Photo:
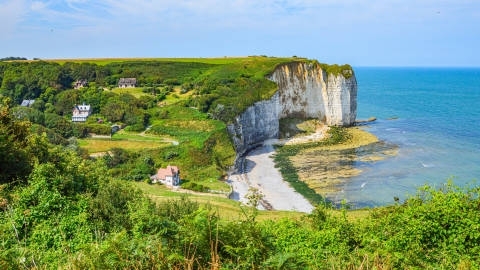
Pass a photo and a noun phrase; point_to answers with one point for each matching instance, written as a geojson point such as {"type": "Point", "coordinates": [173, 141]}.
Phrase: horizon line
{"type": "Point", "coordinates": [240, 56]}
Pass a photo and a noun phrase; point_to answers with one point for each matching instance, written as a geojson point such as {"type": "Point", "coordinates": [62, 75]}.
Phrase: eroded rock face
{"type": "Point", "coordinates": [307, 91]}
{"type": "Point", "coordinates": [304, 91]}
{"type": "Point", "coordinates": [258, 123]}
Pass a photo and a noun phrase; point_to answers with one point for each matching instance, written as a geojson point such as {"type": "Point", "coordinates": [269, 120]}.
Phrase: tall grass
{"type": "Point", "coordinates": [104, 145]}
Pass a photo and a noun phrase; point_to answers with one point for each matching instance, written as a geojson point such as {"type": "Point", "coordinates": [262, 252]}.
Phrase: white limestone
{"type": "Point", "coordinates": [307, 91]}
{"type": "Point", "coordinates": [304, 91]}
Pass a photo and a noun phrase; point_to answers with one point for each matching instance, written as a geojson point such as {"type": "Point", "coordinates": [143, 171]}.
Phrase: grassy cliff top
{"type": "Point", "coordinates": [329, 68]}
{"type": "Point", "coordinates": [223, 87]}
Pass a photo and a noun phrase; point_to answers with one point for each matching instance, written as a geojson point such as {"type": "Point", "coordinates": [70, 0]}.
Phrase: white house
{"type": "Point", "coordinates": [169, 176]}
{"type": "Point", "coordinates": [81, 112]}
{"type": "Point", "coordinates": [127, 82]}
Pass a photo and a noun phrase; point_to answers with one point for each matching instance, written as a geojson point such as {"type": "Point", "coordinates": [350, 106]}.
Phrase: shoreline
{"type": "Point", "coordinates": [259, 171]}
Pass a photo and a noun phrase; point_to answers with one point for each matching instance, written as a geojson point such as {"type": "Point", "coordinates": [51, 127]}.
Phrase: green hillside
{"type": "Point", "coordinates": [187, 101]}
{"type": "Point", "coordinates": [184, 100]}
{"type": "Point", "coordinates": [70, 200]}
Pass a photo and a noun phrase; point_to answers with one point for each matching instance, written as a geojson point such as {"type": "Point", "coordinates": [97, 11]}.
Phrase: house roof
{"type": "Point", "coordinates": [82, 108]}
{"type": "Point", "coordinates": [27, 102]}
{"type": "Point", "coordinates": [169, 171]}
{"type": "Point", "coordinates": [127, 81]}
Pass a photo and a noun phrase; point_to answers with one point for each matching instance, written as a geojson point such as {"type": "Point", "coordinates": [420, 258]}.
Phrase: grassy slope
{"type": "Point", "coordinates": [232, 210]}
{"type": "Point", "coordinates": [125, 140]}
{"type": "Point", "coordinates": [234, 83]}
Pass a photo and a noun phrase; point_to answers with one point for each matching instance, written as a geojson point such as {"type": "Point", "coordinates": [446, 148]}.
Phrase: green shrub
{"type": "Point", "coordinates": [194, 186]}
{"type": "Point", "coordinates": [99, 129]}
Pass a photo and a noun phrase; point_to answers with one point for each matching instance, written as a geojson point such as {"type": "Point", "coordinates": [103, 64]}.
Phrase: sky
{"type": "Point", "coordinates": [358, 32]}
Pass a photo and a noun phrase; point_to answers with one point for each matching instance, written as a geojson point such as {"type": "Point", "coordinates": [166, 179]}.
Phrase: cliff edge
{"type": "Point", "coordinates": [305, 90]}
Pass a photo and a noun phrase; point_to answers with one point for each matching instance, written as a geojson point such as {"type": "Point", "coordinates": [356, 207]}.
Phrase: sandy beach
{"type": "Point", "coordinates": [259, 172]}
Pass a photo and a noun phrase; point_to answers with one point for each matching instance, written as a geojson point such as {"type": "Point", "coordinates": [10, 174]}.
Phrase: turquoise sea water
{"type": "Point", "coordinates": [433, 116]}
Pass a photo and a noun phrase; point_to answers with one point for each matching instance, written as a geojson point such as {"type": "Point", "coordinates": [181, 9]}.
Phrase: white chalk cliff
{"type": "Point", "coordinates": [305, 91]}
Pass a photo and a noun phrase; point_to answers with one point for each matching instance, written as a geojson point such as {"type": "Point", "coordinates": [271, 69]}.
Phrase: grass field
{"type": "Point", "coordinates": [134, 91]}
{"type": "Point", "coordinates": [230, 209]}
{"type": "Point", "coordinates": [104, 145]}
{"type": "Point", "coordinates": [124, 140]}
{"type": "Point", "coordinates": [207, 60]}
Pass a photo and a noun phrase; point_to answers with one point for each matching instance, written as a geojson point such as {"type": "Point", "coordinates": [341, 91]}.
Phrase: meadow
{"type": "Point", "coordinates": [131, 142]}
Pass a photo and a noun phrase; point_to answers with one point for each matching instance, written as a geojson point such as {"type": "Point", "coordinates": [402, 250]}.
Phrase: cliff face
{"type": "Point", "coordinates": [304, 91]}
{"type": "Point", "coordinates": [307, 91]}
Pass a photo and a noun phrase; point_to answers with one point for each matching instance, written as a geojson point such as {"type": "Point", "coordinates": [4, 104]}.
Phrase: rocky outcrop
{"type": "Point", "coordinates": [258, 123]}
{"type": "Point", "coordinates": [305, 90]}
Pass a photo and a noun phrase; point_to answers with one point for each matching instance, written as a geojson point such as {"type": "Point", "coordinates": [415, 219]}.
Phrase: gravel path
{"type": "Point", "coordinates": [260, 172]}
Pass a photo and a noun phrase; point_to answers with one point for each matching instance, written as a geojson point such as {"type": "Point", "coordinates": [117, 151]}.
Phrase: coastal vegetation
{"type": "Point", "coordinates": [345, 70]}
{"type": "Point", "coordinates": [62, 207]}
{"type": "Point", "coordinates": [186, 101]}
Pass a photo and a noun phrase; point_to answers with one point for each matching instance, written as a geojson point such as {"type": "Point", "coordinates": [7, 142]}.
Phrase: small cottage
{"type": "Point", "coordinates": [27, 102]}
{"type": "Point", "coordinates": [81, 113]}
{"type": "Point", "coordinates": [127, 82]}
{"type": "Point", "coordinates": [169, 176]}
{"type": "Point", "coordinates": [80, 83]}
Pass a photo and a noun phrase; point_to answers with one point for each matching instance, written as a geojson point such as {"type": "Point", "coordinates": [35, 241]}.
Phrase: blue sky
{"type": "Point", "coordinates": [358, 32]}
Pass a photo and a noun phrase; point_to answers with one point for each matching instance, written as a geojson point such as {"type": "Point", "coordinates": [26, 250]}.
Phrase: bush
{"type": "Point", "coordinates": [99, 129]}
{"type": "Point", "coordinates": [135, 128]}
{"type": "Point", "coordinates": [195, 187]}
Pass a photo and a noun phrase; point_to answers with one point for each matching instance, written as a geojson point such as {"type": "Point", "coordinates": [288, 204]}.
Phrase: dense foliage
{"type": "Point", "coordinates": [223, 90]}
{"type": "Point", "coordinates": [12, 58]}
{"type": "Point", "coordinates": [67, 212]}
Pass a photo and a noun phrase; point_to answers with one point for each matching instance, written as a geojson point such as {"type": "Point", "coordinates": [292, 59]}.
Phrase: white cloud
{"type": "Point", "coordinates": [226, 14]}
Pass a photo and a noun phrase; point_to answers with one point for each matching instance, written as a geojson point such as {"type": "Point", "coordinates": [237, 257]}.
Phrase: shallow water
{"type": "Point", "coordinates": [432, 115]}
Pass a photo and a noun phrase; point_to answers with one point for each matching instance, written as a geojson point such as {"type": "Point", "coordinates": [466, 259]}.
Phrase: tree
{"type": "Point", "coordinates": [59, 124]}
{"type": "Point", "coordinates": [29, 114]}
{"type": "Point", "coordinates": [114, 112]}
{"type": "Point", "coordinates": [14, 161]}
{"type": "Point", "coordinates": [65, 101]}
{"type": "Point", "coordinates": [20, 149]}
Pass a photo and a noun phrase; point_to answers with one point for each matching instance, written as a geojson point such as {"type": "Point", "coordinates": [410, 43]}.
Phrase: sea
{"type": "Point", "coordinates": [431, 116]}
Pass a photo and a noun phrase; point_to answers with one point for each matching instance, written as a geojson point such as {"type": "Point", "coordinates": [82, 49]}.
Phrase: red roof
{"type": "Point", "coordinates": [169, 171]}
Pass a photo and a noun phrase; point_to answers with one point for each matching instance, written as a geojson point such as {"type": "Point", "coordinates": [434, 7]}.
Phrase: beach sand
{"type": "Point", "coordinates": [259, 172]}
